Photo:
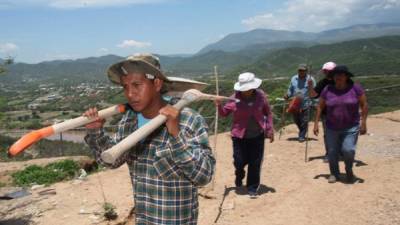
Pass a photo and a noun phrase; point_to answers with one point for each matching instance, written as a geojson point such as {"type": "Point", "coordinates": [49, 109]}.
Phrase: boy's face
{"type": "Point", "coordinates": [140, 91]}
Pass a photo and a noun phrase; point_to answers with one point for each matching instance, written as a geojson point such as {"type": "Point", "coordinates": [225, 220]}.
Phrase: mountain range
{"type": "Point", "coordinates": [239, 41]}
{"type": "Point", "coordinates": [267, 52]}
{"type": "Point", "coordinates": [371, 56]}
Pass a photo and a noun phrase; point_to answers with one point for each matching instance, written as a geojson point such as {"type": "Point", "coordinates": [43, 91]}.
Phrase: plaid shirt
{"type": "Point", "coordinates": [165, 171]}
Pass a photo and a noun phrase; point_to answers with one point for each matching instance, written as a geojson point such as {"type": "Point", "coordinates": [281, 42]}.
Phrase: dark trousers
{"type": "Point", "coordinates": [301, 120]}
{"type": "Point", "coordinates": [248, 151]}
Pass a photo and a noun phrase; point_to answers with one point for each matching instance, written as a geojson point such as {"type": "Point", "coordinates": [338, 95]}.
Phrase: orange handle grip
{"type": "Point", "coordinates": [29, 139]}
{"type": "Point", "coordinates": [36, 135]}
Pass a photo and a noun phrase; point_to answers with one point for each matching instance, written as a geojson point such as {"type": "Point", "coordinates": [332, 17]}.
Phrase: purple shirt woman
{"type": "Point", "coordinates": [316, 92]}
{"type": "Point", "coordinates": [252, 123]}
{"type": "Point", "coordinates": [342, 102]}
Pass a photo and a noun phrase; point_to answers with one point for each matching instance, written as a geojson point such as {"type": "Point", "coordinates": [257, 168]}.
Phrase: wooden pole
{"type": "Point", "coordinates": [307, 137]}
{"type": "Point", "coordinates": [61, 144]}
{"type": "Point", "coordinates": [282, 119]}
{"type": "Point", "coordinates": [308, 118]}
{"type": "Point", "coordinates": [215, 124]}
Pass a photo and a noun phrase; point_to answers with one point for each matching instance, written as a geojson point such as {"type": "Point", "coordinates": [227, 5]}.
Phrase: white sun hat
{"type": "Point", "coordinates": [247, 81]}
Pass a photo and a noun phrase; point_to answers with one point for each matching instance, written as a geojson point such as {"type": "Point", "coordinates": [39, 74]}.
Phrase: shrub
{"type": "Point", "coordinates": [51, 173]}
{"type": "Point", "coordinates": [109, 211]}
{"type": "Point", "coordinates": [33, 124]}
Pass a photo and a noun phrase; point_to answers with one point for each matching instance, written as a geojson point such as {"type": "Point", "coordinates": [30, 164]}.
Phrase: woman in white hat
{"type": "Point", "coordinates": [252, 123]}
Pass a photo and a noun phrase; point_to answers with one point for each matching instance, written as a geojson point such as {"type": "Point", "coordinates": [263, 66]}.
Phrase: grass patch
{"type": "Point", "coordinates": [51, 173]}
{"type": "Point", "coordinates": [109, 211]}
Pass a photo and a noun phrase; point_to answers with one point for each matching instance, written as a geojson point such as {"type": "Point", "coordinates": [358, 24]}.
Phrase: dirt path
{"type": "Point", "coordinates": [298, 192]}
{"type": "Point", "coordinates": [292, 192]}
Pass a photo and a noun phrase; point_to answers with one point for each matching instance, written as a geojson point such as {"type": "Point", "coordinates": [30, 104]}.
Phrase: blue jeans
{"type": "Point", "coordinates": [344, 141]}
{"type": "Point", "coordinates": [323, 119]}
{"type": "Point", "coordinates": [248, 151]}
{"type": "Point", "coordinates": [301, 120]}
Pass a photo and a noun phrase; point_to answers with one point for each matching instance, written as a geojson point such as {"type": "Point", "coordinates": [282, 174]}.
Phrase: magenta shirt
{"type": "Point", "coordinates": [342, 106]}
{"type": "Point", "coordinates": [242, 112]}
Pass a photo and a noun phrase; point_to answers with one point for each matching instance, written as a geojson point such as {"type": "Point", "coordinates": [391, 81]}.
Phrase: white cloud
{"type": "Point", "coordinates": [317, 15]}
{"type": "Point", "coordinates": [388, 4]}
{"type": "Point", "coordinates": [133, 44]}
{"type": "Point", "coordinates": [74, 4]}
{"type": "Point", "coordinates": [103, 50]}
{"type": "Point", "coordinates": [8, 48]}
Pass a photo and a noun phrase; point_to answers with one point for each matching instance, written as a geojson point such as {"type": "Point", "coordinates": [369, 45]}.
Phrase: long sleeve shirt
{"type": "Point", "coordinates": [260, 110]}
{"type": "Point", "coordinates": [165, 170]}
{"type": "Point", "coordinates": [299, 87]}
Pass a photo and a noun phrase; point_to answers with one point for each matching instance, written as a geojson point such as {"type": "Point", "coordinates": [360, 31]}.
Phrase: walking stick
{"type": "Point", "coordinates": [282, 119]}
{"type": "Point", "coordinates": [308, 119]}
{"type": "Point", "coordinates": [216, 123]}
{"type": "Point", "coordinates": [307, 135]}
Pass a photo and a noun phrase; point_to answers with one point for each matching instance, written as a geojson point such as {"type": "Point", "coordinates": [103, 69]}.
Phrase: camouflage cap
{"type": "Point", "coordinates": [141, 63]}
{"type": "Point", "coordinates": [302, 67]}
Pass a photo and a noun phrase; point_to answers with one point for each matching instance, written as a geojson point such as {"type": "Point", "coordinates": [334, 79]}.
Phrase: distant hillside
{"type": "Point", "coordinates": [80, 69]}
{"type": "Point", "coordinates": [359, 31]}
{"type": "Point", "coordinates": [364, 57]}
{"type": "Point", "coordinates": [87, 69]}
{"type": "Point", "coordinates": [203, 63]}
{"type": "Point", "coordinates": [239, 41]}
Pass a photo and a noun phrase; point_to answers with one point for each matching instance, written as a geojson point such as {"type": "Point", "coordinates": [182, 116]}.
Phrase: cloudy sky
{"type": "Point", "coordinates": [41, 30]}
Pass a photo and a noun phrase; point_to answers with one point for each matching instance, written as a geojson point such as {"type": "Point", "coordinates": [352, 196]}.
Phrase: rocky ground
{"type": "Point", "coordinates": [292, 191]}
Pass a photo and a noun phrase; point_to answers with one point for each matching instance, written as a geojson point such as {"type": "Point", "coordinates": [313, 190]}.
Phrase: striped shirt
{"type": "Point", "coordinates": [165, 171]}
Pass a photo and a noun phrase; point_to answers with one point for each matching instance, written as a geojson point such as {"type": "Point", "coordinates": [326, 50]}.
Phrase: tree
{"type": "Point", "coordinates": [6, 62]}
{"type": "Point", "coordinates": [3, 104]}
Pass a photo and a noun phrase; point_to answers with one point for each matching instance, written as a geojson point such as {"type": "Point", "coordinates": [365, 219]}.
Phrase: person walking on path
{"type": "Point", "coordinates": [316, 92]}
{"type": "Point", "coordinates": [252, 123]}
{"type": "Point", "coordinates": [299, 87]}
{"type": "Point", "coordinates": [342, 102]}
{"type": "Point", "coordinates": [167, 167]}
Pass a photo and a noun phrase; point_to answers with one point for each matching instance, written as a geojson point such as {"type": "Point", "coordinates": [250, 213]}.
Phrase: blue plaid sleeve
{"type": "Point", "coordinates": [98, 141]}
{"type": "Point", "coordinates": [190, 149]}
